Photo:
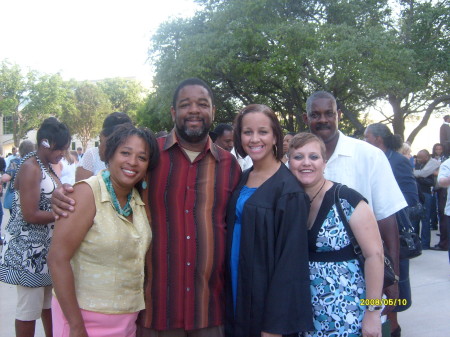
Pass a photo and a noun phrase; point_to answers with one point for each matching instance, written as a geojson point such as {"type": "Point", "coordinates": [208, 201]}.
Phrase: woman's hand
{"type": "Point", "coordinates": [371, 324]}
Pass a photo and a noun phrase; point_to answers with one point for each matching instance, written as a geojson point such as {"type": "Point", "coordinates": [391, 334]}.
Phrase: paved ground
{"type": "Point", "coordinates": [428, 316]}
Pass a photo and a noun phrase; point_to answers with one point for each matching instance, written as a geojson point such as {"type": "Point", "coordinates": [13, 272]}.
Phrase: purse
{"type": "Point", "coordinates": [410, 242]}
{"type": "Point", "coordinates": [9, 196]}
{"type": "Point", "coordinates": [389, 275]}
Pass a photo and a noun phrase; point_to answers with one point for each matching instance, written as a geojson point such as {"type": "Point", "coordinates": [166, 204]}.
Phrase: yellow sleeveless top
{"type": "Point", "coordinates": [108, 267]}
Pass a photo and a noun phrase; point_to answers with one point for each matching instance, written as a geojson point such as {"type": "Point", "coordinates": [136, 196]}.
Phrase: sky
{"type": "Point", "coordinates": [85, 39]}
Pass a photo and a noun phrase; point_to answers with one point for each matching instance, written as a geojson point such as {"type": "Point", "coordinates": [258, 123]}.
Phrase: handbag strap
{"type": "Point", "coordinates": [337, 202]}
{"type": "Point", "coordinates": [403, 222]}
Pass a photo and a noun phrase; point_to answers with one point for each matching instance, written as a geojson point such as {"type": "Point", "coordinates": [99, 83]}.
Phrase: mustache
{"type": "Point", "coordinates": [322, 127]}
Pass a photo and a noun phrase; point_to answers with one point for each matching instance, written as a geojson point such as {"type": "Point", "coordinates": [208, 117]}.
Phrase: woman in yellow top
{"type": "Point", "coordinates": [97, 254]}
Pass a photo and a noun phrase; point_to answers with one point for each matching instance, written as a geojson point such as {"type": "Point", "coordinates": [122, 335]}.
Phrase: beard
{"type": "Point", "coordinates": [193, 136]}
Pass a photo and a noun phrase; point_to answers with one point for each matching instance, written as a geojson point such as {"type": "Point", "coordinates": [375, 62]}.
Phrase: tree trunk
{"type": "Point", "coordinates": [398, 121]}
{"type": "Point", "coordinates": [426, 116]}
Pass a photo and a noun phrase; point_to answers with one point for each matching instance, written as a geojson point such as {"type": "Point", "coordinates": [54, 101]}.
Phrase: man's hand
{"type": "Point", "coordinates": [390, 292]}
{"type": "Point", "coordinates": [61, 203]}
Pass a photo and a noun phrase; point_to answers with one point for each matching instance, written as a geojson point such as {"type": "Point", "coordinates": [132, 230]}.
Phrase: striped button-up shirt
{"type": "Point", "coordinates": [188, 203]}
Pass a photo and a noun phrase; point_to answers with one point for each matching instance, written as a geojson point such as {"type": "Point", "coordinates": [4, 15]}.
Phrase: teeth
{"type": "Point", "coordinates": [129, 172]}
{"type": "Point", "coordinates": [306, 171]}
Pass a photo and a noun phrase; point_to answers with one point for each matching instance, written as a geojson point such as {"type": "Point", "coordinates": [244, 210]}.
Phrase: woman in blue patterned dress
{"type": "Point", "coordinates": [337, 281]}
{"type": "Point", "coordinates": [23, 261]}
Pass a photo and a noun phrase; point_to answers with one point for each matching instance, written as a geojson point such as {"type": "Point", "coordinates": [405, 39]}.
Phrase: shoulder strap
{"type": "Point", "coordinates": [337, 202]}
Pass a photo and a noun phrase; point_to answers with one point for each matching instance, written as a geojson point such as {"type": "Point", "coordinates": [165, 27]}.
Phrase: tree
{"type": "Point", "coordinates": [48, 96]}
{"type": "Point", "coordinates": [285, 52]}
{"type": "Point", "coordinates": [91, 108]}
{"type": "Point", "coordinates": [29, 99]}
{"type": "Point", "coordinates": [155, 114]}
{"type": "Point", "coordinates": [278, 52]}
{"type": "Point", "coordinates": [125, 95]}
{"type": "Point", "coordinates": [14, 87]}
{"type": "Point", "coordinates": [412, 68]}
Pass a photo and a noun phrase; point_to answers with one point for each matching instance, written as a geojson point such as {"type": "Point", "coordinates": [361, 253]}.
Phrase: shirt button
{"type": "Point", "coordinates": [188, 289]}
{"type": "Point", "coordinates": [188, 264]}
{"type": "Point", "coordinates": [186, 211]}
{"type": "Point", "coordinates": [188, 237]}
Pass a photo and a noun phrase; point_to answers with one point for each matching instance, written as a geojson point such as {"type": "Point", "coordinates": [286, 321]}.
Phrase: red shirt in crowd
{"type": "Point", "coordinates": [188, 204]}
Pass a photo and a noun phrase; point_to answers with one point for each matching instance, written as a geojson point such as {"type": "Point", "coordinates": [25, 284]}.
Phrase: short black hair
{"type": "Point", "coordinates": [112, 120]}
{"type": "Point", "coordinates": [221, 128]}
{"type": "Point", "coordinates": [191, 81]}
{"type": "Point", "coordinates": [121, 134]}
{"type": "Point", "coordinates": [55, 132]}
{"type": "Point", "coordinates": [319, 95]}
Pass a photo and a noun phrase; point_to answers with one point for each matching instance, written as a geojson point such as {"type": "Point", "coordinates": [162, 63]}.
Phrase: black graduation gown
{"type": "Point", "coordinates": [273, 279]}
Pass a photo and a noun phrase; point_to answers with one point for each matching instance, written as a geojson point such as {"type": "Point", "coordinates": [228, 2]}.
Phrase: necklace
{"type": "Point", "coordinates": [126, 210]}
{"type": "Point", "coordinates": [320, 189]}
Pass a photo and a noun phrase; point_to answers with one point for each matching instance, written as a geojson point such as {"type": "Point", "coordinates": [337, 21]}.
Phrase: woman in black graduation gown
{"type": "Point", "coordinates": [267, 254]}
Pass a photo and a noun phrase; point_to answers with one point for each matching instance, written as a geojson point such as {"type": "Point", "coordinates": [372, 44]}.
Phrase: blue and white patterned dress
{"type": "Point", "coordinates": [23, 260]}
{"type": "Point", "coordinates": [336, 287]}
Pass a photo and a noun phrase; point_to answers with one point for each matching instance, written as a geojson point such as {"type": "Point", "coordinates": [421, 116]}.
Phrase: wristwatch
{"type": "Point", "coordinates": [373, 307]}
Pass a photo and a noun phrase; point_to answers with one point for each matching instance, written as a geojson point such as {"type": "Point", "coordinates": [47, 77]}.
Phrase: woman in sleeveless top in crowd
{"type": "Point", "coordinates": [29, 231]}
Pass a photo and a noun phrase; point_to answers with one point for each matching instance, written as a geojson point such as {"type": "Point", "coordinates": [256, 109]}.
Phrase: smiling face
{"type": "Point", "coordinates": [129, 163]}
{"type": "Point", "coordinates": [193, 113]}
{"type": "Point", "coordinates": [307, 164]}
{"type": "Point", "coordinates": [257, 136]}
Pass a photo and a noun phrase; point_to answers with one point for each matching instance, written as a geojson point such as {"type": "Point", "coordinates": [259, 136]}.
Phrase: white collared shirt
{"type": "Point", "coordinates": [444, 172]}
{"type": "Point", "coordinates": [365, 168]}
{"type": "Point", "coordinates": [244, 163]}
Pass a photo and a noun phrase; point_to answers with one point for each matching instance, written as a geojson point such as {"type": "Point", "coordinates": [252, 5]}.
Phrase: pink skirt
{"type": "Point", "coordinates": [97, 324]}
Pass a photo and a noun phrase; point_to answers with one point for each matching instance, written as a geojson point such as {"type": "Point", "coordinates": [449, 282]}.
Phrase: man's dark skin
{"type": "Point", "coordinates": [325, 126]}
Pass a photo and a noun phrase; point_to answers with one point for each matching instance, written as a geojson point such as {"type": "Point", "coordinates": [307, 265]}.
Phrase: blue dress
{"type": "Point", "coordinates": [336, 287]}
{"type": "Point", "coordinates": [246, 192]}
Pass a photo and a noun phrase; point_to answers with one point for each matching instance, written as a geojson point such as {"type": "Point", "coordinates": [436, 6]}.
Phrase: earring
{"type": "Point", "coordinates": [45, 143]}
{"type": "Point", "coordinates": [275, 151]}
{"type": "Point", "coordinates": [144, 185]}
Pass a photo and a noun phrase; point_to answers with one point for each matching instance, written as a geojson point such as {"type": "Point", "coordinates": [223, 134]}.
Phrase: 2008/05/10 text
{"type": "Point", "coordinates": [383, 301]}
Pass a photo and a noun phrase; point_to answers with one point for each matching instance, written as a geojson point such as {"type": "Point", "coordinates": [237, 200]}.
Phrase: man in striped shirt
{"type": "Point", "coordinates": [188, 194]}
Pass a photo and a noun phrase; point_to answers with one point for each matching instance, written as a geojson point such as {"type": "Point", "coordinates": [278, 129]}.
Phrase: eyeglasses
{"type": "Point", "coordinates": [328, 115]}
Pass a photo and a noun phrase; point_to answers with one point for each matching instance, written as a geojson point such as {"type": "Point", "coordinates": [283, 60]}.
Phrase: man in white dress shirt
{"type": "Point", "coordinates": [360, 166]}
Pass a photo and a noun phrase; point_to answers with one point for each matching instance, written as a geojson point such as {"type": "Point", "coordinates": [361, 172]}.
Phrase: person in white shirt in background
{"type": "Point", "coordinates": [92, 161]}
{"type": "Point", "coordinates": [68, 167]}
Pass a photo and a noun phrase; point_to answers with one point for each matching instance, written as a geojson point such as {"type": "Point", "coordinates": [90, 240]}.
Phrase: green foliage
{"type": "Point", "coordinates": [277, 52]}
{"type": "Point", "coordinates": [125, 95]}
{"type": "Point", "coordinates": [91, 108]}
{"type": "Point", "coordinates": [48, 96]}
{"type": "Point", "coordinates": [155, 114]}
{"type": "Point", "coordinates": [32, 97]}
